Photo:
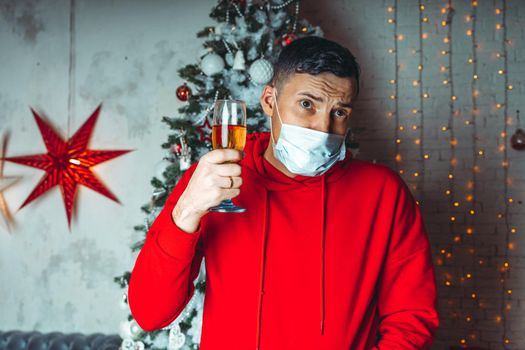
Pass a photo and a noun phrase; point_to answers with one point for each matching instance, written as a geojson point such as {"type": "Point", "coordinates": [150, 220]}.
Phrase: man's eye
{"type": "Point", "coordinates": [341, 113]}
{"type": "Point", "coordinates": [306, 104]}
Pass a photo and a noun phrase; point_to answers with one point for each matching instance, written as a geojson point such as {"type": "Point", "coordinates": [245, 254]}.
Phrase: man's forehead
{"type": "Point", "coordinates": [324, 83]}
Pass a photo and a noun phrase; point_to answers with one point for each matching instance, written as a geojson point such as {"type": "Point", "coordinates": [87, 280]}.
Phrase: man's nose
{"type": "Point", "coordinates": [322, 122]}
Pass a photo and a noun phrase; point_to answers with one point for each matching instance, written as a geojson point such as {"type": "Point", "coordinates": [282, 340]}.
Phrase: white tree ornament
{"type": "Point", "coordinates": [212, 64]}
{"type": "Point", "coordinates": [261, 71]}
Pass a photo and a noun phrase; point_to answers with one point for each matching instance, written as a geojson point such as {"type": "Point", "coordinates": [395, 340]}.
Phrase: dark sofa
{"type": "Point", "coordinates": [19, 340]}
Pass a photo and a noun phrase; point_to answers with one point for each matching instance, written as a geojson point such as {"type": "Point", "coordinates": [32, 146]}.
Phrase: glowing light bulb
{"type": "Point", "coordinates": [426, 156]}
{"type": "Point", "coordinates": [390, 9]}
{"type": "Point", "coordinates": [469, 32]}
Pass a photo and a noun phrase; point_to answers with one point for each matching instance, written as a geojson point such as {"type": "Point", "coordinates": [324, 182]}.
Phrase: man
{"type": "Point", "coordinates": [331, 253]}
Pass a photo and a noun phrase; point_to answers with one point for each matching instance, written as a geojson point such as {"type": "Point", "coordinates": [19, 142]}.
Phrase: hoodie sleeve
{"type": "Point", "coordinates": [407, 294]}
{"type": "Point", "coordinates": [161, 282]}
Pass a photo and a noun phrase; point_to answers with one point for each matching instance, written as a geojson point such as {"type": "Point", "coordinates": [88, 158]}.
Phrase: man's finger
{"type": "Point", "coordinates": [227, 169]}
{"type": "Point", "coordinates": [225, 182]}
{"type": "Point", "coordinates": [230, 193]}
{"type": "Point", "coordinates": [218, 156]}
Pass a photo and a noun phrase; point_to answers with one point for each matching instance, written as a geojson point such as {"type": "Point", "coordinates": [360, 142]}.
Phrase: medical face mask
{"type": "Point", "coordinates": [306, 151]}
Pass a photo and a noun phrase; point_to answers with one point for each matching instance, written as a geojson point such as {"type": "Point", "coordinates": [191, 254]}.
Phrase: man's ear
{"type": "Point", "coordinates": [266, 100]}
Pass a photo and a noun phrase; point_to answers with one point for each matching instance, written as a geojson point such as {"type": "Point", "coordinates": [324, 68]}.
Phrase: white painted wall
{"type": "Point", "coordinates": [127, 56]}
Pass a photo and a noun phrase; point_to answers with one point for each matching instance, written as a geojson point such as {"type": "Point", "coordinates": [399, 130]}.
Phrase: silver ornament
{"type": "Point", "coordinates": [124, 302]}
{"type": "Point", "coordinates": [127, 344]}
{"type": "Point", "coordinates": [261, 71]}
{"type": "Point", "coordinates": [239, 63]}
{"type": "Point", "coordinates": [176, 338]}
{"type": "Point", "coordinates": [134, 329]}
{"type": "Point", "coordinates": [212, 64]}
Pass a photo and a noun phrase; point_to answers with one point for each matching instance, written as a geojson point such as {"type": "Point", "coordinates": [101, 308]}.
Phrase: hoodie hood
{"type": "Point", "coordinates": [272, 179]}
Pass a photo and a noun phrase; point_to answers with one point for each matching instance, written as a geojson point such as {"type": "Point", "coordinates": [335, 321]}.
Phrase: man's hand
{"type": "Point", "coordinates": [208, 186]}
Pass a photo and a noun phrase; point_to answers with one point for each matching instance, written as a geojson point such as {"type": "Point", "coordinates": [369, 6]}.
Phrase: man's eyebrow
{"type": "Point", "coordinates": [346, 104]}
{"type": "Point", "coordinates": [315, 98]}
{"type": "Point", "coordinates": [320, 99]}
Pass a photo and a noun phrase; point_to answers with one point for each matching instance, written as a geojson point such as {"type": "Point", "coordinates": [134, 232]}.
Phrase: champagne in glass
{"type": "Point", "coordinates": [229, 131]}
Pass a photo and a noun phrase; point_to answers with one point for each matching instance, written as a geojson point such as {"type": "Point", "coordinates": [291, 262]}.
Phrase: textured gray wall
{"type": "Point", "coordinates": [126, 56]}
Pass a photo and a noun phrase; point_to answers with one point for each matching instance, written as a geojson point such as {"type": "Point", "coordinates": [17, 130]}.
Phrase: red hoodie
{"type": "Point", "coordinates": [336, 261]}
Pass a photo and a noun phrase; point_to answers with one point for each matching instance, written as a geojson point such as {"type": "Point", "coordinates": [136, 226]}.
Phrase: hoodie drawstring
{"type": "Point", "coordinates": [263, 263]}
{"type": "Point", "coordinates": [321, 287]}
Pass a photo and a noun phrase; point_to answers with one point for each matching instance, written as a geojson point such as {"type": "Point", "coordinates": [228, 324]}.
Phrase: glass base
{"type": "Point", "coordinates": [227, 206]}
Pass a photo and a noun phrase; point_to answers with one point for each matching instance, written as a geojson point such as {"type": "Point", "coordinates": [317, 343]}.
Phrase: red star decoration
{"type": "Point", "coordinates": [67, 163]}
{"type": "Point", "coordinates": [203, 135]}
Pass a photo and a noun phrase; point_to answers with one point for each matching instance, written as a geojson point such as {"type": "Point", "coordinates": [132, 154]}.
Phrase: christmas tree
{"type": "Point", "coordinates": [236, 62]}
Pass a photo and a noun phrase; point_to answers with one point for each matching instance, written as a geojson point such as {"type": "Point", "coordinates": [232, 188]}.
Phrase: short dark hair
{"type": "Point", "coordinates": [314, 55]}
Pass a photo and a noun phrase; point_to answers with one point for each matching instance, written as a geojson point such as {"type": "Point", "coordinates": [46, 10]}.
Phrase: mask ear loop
{"type": "Point", "coordinates": [278, 114]}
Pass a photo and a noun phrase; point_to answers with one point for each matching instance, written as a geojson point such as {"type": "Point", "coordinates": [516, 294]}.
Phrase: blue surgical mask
{"type": "Point", "coordinates": [306, 151]}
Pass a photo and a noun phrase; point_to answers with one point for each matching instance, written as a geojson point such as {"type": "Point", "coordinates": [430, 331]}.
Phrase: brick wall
{"type": "Point", "coordinates": [474, 244]}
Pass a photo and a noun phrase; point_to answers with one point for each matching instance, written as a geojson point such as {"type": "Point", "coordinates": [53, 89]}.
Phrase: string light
{"type": "Point", "coordinates": [505, 273]}
{"type": "Point", "coordinates": [393, 11]}
{"type": "Point", "coordinates": [463, 211]}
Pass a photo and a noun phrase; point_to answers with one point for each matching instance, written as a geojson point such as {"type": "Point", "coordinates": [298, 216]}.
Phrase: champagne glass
{"type": "Point", "coordinates": [229, 131]}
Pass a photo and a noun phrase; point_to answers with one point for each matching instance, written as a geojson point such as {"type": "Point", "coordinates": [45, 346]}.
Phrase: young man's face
{"type": "Point", "coordinates": [321, 102]}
